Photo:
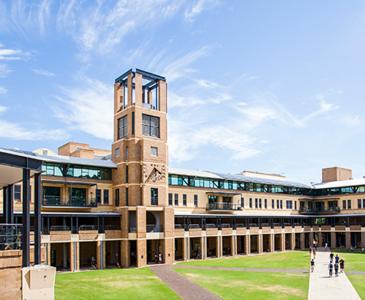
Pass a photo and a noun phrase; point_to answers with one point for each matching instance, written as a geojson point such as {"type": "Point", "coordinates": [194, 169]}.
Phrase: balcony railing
{"type": "Point", "coordinates": [60, 228]}
{"type": "Point", "coordinates": [88, 227]}
{"type": "Point", "coordinates": [112, 227]}
{"type": "Point", "coordinates": [72, 202]}
{"type": "Point", "coordinates": [10, 236]}
{"type": "Point", "coordinates": [319, 211]}
{"type": "Point", "coordinates": [223, 206]}
{"type": "Point", "coordinates": [210, 225]}
{"type": "Point", "coordinates": [153, 228]}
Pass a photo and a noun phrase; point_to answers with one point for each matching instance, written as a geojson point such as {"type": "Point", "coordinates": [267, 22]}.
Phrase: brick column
{"type": "Point", "coordinates": [186, 244]}
{"type": "Point", "coordinates": [348, 240]}
{"type": "Point", "coordinates": [363, 239]}
{"type": "Point", "coordinates": [100, 254]}
{"type": "Point", "coordinates": [272, 242]}
{"type": "Point", "coordinates": [141, 253]}
{"type": "Point", "coordinates": [310, 239]}
{"type": "Point", "coordinates": [169, 250]}
{"type": "Point", "coordinates": [320, 239]}
{"type": "Point", "coordinates": [333, 239]}
{"type": "Point", "coordinates": [124, 253]}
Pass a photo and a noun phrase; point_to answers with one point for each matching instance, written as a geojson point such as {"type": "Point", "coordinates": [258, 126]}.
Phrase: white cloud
{"type": "Point", "coordinates": [15, 131]}
{"type": "Point", "coordinates": [352, 120]}
{"type": "Point", "coordinates": [43, 72]}
{"type": "Point", "coordinates": [88, 108]}
{"type": "Point", "coordinates": [197, 8]}
{"type": "Point", "coordinates": [44, 14]}
{"type": "Point", "coordinates": [3, 91]}
{"type": "Point", "coordinates": [4, 70]}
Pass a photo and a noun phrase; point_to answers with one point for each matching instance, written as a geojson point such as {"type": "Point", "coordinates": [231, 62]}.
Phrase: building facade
{"type": "Point", "coordinates": [126, 207]}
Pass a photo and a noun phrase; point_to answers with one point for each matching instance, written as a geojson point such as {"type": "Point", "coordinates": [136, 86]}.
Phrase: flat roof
{"type": "Point", "coordinates": [341, 183]}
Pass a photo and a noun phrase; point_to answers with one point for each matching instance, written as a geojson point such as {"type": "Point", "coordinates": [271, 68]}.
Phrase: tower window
{"type": "Point", "coordinates": [196, 200]}
{"type": "Point", "coordinates": [17, 192]}
{"type": "Point", "coordinates": [122, 127]}
{"type": "Point", "coordinates": [98, 195]}
{"type": "Point", "coordinates": [170, 199]}
{"type": "Point", "coordinates": [184, 200]}
{"type": "Point", "coordinates": [154, 151]}
{"type": "Point", "coordinates": [154, 196]}
{"type": "Point", "coordinates": [150, 125]}
{"type": "Point", "coordinates": [176, 199]}
{"type": "Point", "coordinates": [106, 196]}
{"type": "Point", "coordinates": [116, 195]}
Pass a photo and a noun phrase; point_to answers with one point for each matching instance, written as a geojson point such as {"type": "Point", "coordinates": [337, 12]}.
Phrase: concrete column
{"type": "Point", "coordinates": [363, 239]}
{"type": "Point", "coordinates": [234, 245]}
{"type": "Point", "coordinates": [247, 244]}
{"type": "Point", "coordinates": [320, 239]}
{"type": "Point", "coordinates": [48, 255]}
{"type": "Point", "coordinates": [333, 239]}
{"type": "Point", "coordinates": [348, 240]}
{"type": "Point", "coordinates": [203, 243]}
{"type": "Point", "coordinates": [302, 241]}
{"type": "Point", "coordinates": [282, 245]}
{"type": "Point", "coordinates": [64, 254]}
{"type": "Point", "coordinates": [141, 253]}
{"type": "Point", "coordinates": [74, 255]}
{"type": "Point", "coordinates": [292, 241]}
{"type": "Point", "coordinates": [272, 242]}
{"type": "Point", "coordinates": [259, 243]}
{"type": "Point", "coordinates": [186, 248]}
{"type": "Point", "coordinates": [311, 239]}
{"type": "Point", "coordinates": [219, 246]}
{"type": "Point", "coordinates": [100, 254]}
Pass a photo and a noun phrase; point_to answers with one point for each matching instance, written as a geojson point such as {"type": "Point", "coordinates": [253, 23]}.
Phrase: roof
{"type": "Point", "coordinates": [237, 177]}
{"type": "Point", "coordinates": [96, 162]}
{"type": "Point", "coordinates": [337, 184]}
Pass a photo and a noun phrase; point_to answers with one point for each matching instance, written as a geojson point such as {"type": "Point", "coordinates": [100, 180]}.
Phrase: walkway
{"type": "Point", "coordinates": [182, 286]}
{"type": "Point", "coordinates": [323, 287]}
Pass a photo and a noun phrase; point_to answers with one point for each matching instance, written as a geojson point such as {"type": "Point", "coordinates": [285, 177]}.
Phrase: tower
{"type": "Point", "coordinates": [140, 180]}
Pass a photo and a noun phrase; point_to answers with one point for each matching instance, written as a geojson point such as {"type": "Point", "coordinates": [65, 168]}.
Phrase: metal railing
{"type": "Point", "coordinates": [226, 225]}
{"type": "Point", "coordinates": [153, 228]}
{"type": "Point", "coordinates": [210, 225]}
{"type": "Point", "coordinates": [88, 227]}
{"type": "Point", "coordinates": [194, 226]}
{"type": "Point", "coordinates": [112, 227]}
{"type": "Point", "coordinates": [223, 206]}
{"type": "Point", "coordinates": [319, 211]}
{"type": "Point", "coordinates": [60, 228]}
{"type": "Point", "coordinates": [10, 236]}
{"type": "Point", "coordinates": [179, 226]}
{"type": "Point", "coordinates": [74, 202]}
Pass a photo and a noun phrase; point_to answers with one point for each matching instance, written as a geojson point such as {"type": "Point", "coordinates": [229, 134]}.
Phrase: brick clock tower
{"type": "Point", "coordinates": [141, 178]}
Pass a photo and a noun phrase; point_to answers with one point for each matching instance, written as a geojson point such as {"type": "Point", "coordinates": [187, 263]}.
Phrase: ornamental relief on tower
{"type": "Point", "coordinates": [153, 173]}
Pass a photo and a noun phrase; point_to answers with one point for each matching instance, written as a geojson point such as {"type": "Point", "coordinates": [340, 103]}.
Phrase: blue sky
{"type": "Point", "coordinates": [276, 86]}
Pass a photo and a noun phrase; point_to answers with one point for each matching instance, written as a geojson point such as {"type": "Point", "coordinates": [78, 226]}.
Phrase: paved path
{"type": "Point", "coordinates": [323, 287]}
{"type": "Point", "coordinates": [181, 285]}
{"type": "Point", "coordinates": [264, 270]}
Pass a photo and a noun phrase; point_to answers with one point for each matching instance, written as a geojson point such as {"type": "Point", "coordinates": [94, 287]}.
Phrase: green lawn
{"type": "Point", "coordinates": [111, 284]}
{"type": "Point", "coordinates": [253, 285]}
{"type": "Point", "coordinates": [250, 285]}
{"type": "Point", "coordinates": [280, 260]}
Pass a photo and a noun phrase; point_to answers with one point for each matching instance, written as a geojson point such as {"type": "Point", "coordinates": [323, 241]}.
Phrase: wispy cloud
{"type": "Point", "coordinates": [4, 70]}
{"type": "Point", "coordinates": [3, 91]}
{"type": "Point", "coordinates": [88, 108]}
{"type": "Point", "coordinates": [351, 120]}
{"type": "Point", "coordinates": [43, 72]}
{"type": "Point", "coordinates": [197, 7]}
{"type": "Point", "coordinates": [16, 131]}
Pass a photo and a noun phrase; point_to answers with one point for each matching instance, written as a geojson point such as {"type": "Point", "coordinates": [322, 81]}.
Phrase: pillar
{"type": "Point", "coordinates": [320, 239]}
{"type": "Point", "coordinates": [272, 242]}
{"type": "Point", "coordinates": [363, 239]}
{"type": "Point", "coordinates": [234, 245]}
{"type": "Point", "coordinates": [311, 239]}
{"type": "Point", "coordinates": [5, 201]}
{"type": "Point", "coordinates": [348, 239]}
{"type": "Point", "coordinates": [247, 244]}
{"type": "Point", "coordinates": [26, 219]}
{"type": "Point", "coordinates": [74, 253]}
{"type": "Point", "coordinates": [259, 243]}
{"type": "Point", "coordinates": [9, 216]}
{"type": "Point", "coordinates": [100, 254]}
{"type": "Point", "coordinates": [219, 246]}
{"type": "Point", "coordinates": [141, 253]}
{"type": "Point", "coordinates": [302, 240]}
{"type": "Point", "coordinates": [333, 239]}
{"type": "Point", "coordinates": [124, 253]}
{"type": "Point", "coordinates": [282, 245]}
{"type": "Point", "coordinates": [292, 240]}
{"type": "Point", "coordinates": [37, 218]}
{"type": "Point", "coordinates": [186, 244]}
{"type": "Point", "coordinates": [169, 250]}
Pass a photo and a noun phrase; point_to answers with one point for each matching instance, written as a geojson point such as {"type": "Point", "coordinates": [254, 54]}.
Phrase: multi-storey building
{"type": "Point", "coordinates": [125, 207]}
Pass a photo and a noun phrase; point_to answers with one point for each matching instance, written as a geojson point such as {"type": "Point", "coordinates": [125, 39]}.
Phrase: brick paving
{"type": "Point", "coordinates": [181, 285]}
{"type": "Point", "coordinates": [264, 270]}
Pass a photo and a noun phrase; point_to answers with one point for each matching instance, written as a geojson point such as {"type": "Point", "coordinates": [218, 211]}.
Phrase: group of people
{"type": "Point", "coordinates": [336, 265]}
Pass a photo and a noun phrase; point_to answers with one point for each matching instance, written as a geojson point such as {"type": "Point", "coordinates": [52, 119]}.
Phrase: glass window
{"type": "Point", "coordinates": [343, 204]}
{"type": "Point", "coordinates": [116, 197]}
{"type": "Point", "coordinates": [154, 196]}
{"type": "Point", "coordinates": [126, 197]}
{"type": "Point", "coordinates": [170, 199]}
{"type": "Point", "coordinates": [98, 196]}
{"type": "Point", "coordinates": [106, 196]}
{"type": "Point", "coordinates": [348, 204]}
{"type": "Point", "coordinates": [122, 127]}
{"type": "Point", "coordinates": [154, 151]}
{"type": "Point", "coordinates": [272, 203]}
{"type": "Point", "coordinates": [117, 152]}
{"type": "Point", "coordinates": [358, 203]}
{"type": "Point", "coordinates": [176, 199]}
{"type": "Point", "coordinates": [17, 192]}
{"type": "Point", "coordinates": [250, 202]}
{"type": "Point", "coordinates": [184, 199]}
{"type": "Point", "coordinates": [150, 125]}
{"type": "Point", "coordinates": [242, 202]}
{"type": "Point", "coordinates": [196, 200]}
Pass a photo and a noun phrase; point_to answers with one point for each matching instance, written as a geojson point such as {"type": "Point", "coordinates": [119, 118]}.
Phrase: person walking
{"type": "Point", "coordinates": [336, 269]}
{"type": "Point", "coordinates": [342, 265]}
{"type": "Point", "coordinates": [337, 259]}
{"type": "Point", "coordinates": [312, 265]}
{"type": "Point", "coordinates": [326, 246]}
{"type": "Point", "coordinates": [331, 257]}
{"type": "Point", "coordinates": [330, 268]}
{"type": "Point", "coordinates": [314, 253]}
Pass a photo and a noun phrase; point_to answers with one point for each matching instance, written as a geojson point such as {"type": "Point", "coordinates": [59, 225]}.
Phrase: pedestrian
{"type": "Point", "coordinates": [337, 259]}
{"type": "Point", "coordinates": [342, 265]}
{"type": "Point", "coordinates": [160, 258]}
{"type": "Point", "coordinates": [310, 250]}
{"type": "Point", "coordinates": [336, 269]}
{"type": "Point", "coordinates": [330, 268]}
{"type": "Point", "coordinates": [325, 246]}
{"type": "Point", "coordinates": [314, 253]}
{"type": "Point", "coordinates": [331, 256]}
{"type": "Point", "coordinates": [312, 265]}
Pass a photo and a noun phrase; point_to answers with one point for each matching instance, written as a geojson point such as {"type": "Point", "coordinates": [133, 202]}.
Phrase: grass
{"type": "Point", "coordinates": [111, 284]}
{"type": "Point", "coordinates": [358, 281]}
{"type": "Point", "coordinates": [280, 260]}
{"type": "Point", "coordinates": [253, 285]}
{"type": "Point", "coordinates": [250, 285]}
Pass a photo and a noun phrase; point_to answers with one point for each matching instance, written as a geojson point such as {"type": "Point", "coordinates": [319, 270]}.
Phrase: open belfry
{"type": "Point", "coordinates": [88, 208]}
{"type": "Point", "coordinates": [140, 179]}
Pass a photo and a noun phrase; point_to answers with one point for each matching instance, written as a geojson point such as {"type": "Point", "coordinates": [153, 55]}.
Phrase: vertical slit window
{"type": "Point", "coordinates": [122, 127]}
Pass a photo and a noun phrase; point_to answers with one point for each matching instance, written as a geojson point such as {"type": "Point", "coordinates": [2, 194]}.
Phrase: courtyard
{"type": "Point", "coordinates": [269, 276]}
